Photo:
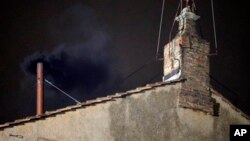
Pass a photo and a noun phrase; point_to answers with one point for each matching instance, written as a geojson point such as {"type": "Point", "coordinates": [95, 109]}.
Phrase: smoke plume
{"type": "Point", "coordinates": [80, 64]}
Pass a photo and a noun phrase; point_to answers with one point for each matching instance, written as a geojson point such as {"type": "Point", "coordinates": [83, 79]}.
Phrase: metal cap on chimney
{"type": "Point", "coordinates": [39, 104]}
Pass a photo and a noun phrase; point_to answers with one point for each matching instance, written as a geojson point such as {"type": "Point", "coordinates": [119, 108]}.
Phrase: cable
{"type": "Point", "coordinates": [194, 6]}
{"type": "Point", "coordinates": [223, 85]}
{"type": "Point", "coordinates": [131, 74]}
{"type": "Point", "coordinates": [215, 37]}
{"type": "Point", "coordinates": [172, 27]}
{"type": "Point", "coordinates": [170, 36]}
{"type": "Point", "coordinates": [181, 3]}
{"type": "Point", "coordinates": [152, 78]}
{"type": "Point", "coordinates": [233, 95]}
{"type": "Point", "coordinates": [137, 70]}
{"type": "Point", "coordinates": [159, 34]}
{"type": "Point", "coordinates": [50, 83]}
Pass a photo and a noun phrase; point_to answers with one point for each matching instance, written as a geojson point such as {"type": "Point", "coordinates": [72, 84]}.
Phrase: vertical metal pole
{"type": "Point", "coordinates": [39, 104]}
{"type": "Point", "coordinates": [187, 1]}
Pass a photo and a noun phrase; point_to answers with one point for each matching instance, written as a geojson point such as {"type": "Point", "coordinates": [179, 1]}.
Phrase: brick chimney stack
{"type": "Point", "coordinates": [186, 56]}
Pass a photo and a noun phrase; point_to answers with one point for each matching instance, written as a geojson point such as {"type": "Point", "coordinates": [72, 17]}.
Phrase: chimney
{"type": "Point", "coordinates": [186, 56]}
{"type": "Point", "coordinates": [39, 104]}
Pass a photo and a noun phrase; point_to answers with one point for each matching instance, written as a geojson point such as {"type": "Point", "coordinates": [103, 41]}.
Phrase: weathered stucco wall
{"type": "Point", "coordinates": [149, 116]}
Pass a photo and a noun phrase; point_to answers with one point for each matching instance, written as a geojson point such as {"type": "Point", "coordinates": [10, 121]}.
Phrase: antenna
{"type": "Point", "coordinates": [187, 2]}
{"type": "Point", "coordinates": [190, 3]}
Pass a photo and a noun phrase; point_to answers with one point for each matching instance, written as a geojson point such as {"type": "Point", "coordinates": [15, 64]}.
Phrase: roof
{"type": "Point", "coordinates": [90, 102]}
{"type": "Point", "coordinates": [214, 92]}
{"type": "Point", "coordinates": [111, 98]}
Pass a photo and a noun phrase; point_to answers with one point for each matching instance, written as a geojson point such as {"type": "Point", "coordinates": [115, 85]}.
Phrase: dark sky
{"type": "Point", "coordinates": [90, 46]}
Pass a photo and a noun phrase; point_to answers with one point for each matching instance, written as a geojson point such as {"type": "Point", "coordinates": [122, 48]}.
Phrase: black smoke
{"type": "Point", "coordinates": [80, 64]}
{"type": "Point", "coordinates": [70, 71]}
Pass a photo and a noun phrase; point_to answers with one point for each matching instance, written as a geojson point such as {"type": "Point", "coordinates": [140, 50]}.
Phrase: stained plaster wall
{"type": "Point", "coordinates": [152, 115]}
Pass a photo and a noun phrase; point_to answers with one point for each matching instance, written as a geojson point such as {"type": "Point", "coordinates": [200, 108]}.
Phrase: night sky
{"type": "Point", "coordinates": [90, 48]}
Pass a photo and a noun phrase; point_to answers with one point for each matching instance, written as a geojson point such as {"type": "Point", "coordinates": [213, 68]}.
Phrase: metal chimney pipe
{"type": "Point", "coordinates": [39, 98]}
{"type": "Point", "coordinates": [187, 3]}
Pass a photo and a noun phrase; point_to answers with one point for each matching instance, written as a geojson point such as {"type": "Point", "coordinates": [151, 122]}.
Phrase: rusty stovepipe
{"type": "Point", "coordinates": [39, 104]}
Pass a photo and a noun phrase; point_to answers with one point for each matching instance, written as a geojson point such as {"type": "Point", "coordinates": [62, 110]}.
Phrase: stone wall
{"type": "Point", "coordinates": [152, 115]}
